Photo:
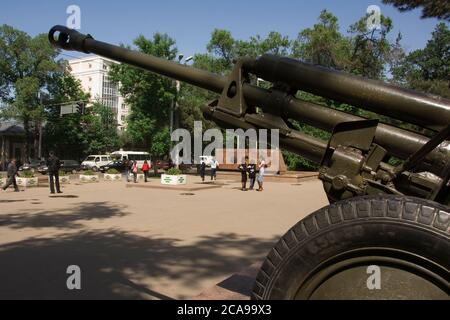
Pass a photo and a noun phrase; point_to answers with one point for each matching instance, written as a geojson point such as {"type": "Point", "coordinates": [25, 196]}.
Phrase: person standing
{"type": "Point", "coordinates": [262, 170]}
{"type": "Point", "coordinates": [243, 168]}
{"type": "Point", "coordinates": [252, 174]}
{"type": "Point", "coordinates": [134, 170]}
{"type": "Point", "coordinates": [203, 170]}
{"type": "Point", "coordinates": [145, 169]}
{"type": "Point", "coordinates": [214, 167]}
{"type": "Point", "coordinates": [53, 165]}
{"type": "Point", "coordinates": [11, 172]}
{"type": "Point", "coordinates": [126, 166]}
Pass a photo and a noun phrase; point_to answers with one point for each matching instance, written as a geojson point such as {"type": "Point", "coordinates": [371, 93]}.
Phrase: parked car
{"type": "Point", "coordinates": [94, 162]}
{"type": "Point", "coordinates": [118, 165]}
{"type": "Point", "coordinates": [32, 166]}
{"type": "Point", "coordinates": [68, 166]}
{"type": "Point", "coordinates": [72, 166]}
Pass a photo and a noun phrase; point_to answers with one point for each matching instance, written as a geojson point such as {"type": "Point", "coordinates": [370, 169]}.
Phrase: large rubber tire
{"type": "Point", "coordinates": [328, 254]}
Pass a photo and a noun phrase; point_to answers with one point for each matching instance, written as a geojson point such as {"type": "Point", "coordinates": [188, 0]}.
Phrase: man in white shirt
{"type": "Point", "coordinates": [262, 169]}
{"type": "Point", "coordinates": [214, 167]}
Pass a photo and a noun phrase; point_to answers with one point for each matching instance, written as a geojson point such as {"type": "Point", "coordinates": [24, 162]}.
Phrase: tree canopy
{"type": "Point", "coordinates": [430, 8]}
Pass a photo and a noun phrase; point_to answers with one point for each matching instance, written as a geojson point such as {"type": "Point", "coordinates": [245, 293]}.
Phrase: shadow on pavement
{"type": "Point", "coordinates": [65, 219]}
{"type": "Point", "coordinates": [114, 264]}
{"type": "Point", "coordinates": [11, 201]}
{"type": "Point", "coordinates": [65, 197]}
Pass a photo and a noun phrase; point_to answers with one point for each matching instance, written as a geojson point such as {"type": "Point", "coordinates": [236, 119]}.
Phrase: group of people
{"type": "Point", "coordinates": [214, 166]}
{"type": "Point", "coordinates": [53, 163]}
{"type": "Point", "coordinates": [253, 172]}
{"type": "Point", "coordinates": [249, 171]}
{"type": "Point", "coordinates": [132, 167]}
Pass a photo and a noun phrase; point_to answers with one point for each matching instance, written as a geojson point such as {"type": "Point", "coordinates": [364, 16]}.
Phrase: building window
{"type": "Point", "coordinates": [124, 106]}
{"type": "Point", "coordinates": [110, 95]}
{"type": "Point", "coordinates": [122, 118]}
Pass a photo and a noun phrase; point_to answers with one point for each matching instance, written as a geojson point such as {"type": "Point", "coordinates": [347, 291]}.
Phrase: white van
{"type": "Point", "coordinates": [137, 156]}
{"type": "Point", "coordinates": [94, 162]}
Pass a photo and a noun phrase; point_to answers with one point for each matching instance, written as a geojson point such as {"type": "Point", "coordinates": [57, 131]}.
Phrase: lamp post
{"type": "Point", "coordinates": [173, 110]}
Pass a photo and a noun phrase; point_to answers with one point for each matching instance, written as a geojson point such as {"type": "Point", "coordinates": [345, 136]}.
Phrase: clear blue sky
{"type": "Point", "coordinates": [191, 22]}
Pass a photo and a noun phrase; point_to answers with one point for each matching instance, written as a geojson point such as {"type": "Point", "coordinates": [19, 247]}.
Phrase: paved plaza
{"type": "Point", "coordinates": [141, 243]}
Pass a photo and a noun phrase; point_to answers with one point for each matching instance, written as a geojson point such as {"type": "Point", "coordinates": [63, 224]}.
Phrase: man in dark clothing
{"type": "Point", "coordinates": [252, 174]}
{"type": "Point", "coordinates": [53, 165]}
{"type": "Point", "coordinates": [243, 168]}
{"type": "Point", "coordinates": [126, 166]}
{"type": "Point", "coordinates": [12, 172]}
{"type": "Point", "coordinates": [203, 170]}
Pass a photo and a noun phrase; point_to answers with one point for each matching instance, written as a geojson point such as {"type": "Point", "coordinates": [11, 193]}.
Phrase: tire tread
{"type": "Point", "coordinates": [408, 209]}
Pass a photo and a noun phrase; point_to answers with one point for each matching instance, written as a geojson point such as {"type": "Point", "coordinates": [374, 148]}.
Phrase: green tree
{"type": "Point", "coordinates": [323, 44]}
{"type": "Point", "coordinates": [76, 135]}
{"type": "Point", "coordinates": [149, 95]}
{"type": "Point", "coordinates": [430, 8]}
{"type": "Point", "coordinates": [428, 69]}
{"type": "Point", "coordinates": [371, 50]}
{"type": "Point", "coordinates": [100, 128]}
{"type": "Point", "coordinates": [26, 66]}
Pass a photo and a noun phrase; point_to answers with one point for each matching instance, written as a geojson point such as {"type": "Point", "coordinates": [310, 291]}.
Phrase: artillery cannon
{"type": "Point", "coordinates": [396, 218]}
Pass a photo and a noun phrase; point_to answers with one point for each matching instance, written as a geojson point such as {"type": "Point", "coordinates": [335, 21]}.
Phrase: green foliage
{"type": "Point", "coordinates": [27, 174]}
{"type": "Point", "coordinates": [323, 44]}
{"type": "Point", "coordinates": [149, 95]}
{"type": "Point", "coordinates": [100, 129]}
{"type": "Point", "coordinates": [76, 135]}
{"type": "Point", "coordinates": [430, 8]}
{"type": "Point", "coordinates": [88, 173]}
{"type": "Point", "coordinates": [63, 173]}
{"type": "Point", "coordinates": [174, 172]}
{"type": "Point", "coordinates": [112, 171]}
{"type": "Point", "coordinates": [26, 67]}
{"type": "Point", "coordinates": [428, 69]}
{"type": "Point", "coordinates": [159, 145]}
{"type": "Point", "coordinates": [294, 162]}
{"type": "Point", "coordinates": [370, 48]}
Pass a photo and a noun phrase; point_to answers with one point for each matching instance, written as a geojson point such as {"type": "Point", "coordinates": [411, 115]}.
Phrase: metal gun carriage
{"type": "Point", "coordinates": [393, 217]}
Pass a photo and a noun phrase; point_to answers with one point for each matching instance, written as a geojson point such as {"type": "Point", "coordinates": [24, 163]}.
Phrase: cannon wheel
{"type": "Point", "coordinates": [382, 247]}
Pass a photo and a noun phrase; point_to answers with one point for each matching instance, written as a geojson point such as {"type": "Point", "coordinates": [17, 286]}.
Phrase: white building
{"type": "Point", "coordinates": [92, 71]}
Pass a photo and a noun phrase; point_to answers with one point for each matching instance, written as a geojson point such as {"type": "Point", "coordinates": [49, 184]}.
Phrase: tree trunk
{"type": "Point", "coordinates": [26, 127]}
{"type": "Point", "coordinates": [36, 135]}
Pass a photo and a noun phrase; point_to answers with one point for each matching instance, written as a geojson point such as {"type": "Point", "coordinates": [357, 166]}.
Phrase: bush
{"type": "Point", "coordinates": [27, 174]}
{"type": "Point", "coordinates": [112, 171]}
{"type": "Point", "coordinates": [89, 173]}
{"type": "Point", "coordinates": [173, 172]}
{"type": "Point", "coordinates": [62, 174]}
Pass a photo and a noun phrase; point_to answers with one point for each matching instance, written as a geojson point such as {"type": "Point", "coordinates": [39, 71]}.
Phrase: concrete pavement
{"type": "Point", "coordinates": [141, 243]}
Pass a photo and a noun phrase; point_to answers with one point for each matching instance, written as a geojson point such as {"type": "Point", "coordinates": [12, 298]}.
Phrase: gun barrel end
{"type": "Point", "coordinates": [68, 39]}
